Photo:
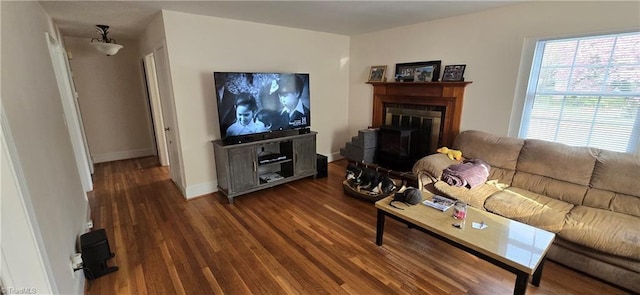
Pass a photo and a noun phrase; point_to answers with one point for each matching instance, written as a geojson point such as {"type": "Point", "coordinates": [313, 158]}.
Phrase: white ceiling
{"type": "Point", "coordinates": [128, 18]}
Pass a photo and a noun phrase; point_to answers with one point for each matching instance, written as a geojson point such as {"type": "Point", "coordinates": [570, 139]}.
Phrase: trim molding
{"type": "Point", "coordinates": [334, 157]}
{"type": "Point", "coordinates": [122, 155]}
{"type": "Point", "coordinates": [28, 215]}
{"type": "Point", "coordinates": [197, 190]}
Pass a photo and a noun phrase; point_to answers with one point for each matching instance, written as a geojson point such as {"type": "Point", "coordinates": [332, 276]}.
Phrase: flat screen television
{"type": "Point", "coordinates": [255, 106]}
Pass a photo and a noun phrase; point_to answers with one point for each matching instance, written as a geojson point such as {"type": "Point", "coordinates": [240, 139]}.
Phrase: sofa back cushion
{"type": "Point", "coordinates": [499, 152]}
{"type": "Point", "coordinates": [615, 183]}
{"type": "Point", "coordinates": [556, 170]}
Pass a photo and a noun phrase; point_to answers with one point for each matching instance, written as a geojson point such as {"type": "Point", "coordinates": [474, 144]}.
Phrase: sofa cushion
{"type": "Point", "coordinates": [618, 172]}
{"type": "Point", "coordinates": [530, 208]}
{"type": "Point", "coordinates": [561, 164]}
{"type": "Point", "coordinates": [606, 231]}
{"type": "Point", "coordinates": [558, 161]}
{"type": "Point", "coordinates": [561, 190]}
{"type": "Point", "coordinates": [499, 152]}
{"type": "Point", "coordinates": [615, 183]}
{"type": "Point", "coordinates": [608, 200]}
{"type": "Point", "coordinates": [474, 197]}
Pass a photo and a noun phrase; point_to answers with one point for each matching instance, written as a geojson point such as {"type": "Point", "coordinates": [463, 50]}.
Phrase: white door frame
{"type": "Point", "coordinates": [156, 108]}
{"type": "Point", "coordinates": [71, 114]}
{"type": "Point", "coordinates": [171, 129]}
{"type": "Point", "coordinates": [72, 84]}
{"type": "Point", "coordinates": [22, 253]}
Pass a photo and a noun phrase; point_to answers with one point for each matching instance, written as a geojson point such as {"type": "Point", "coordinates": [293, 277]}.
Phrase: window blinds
{"type": "Point", "coordinates": [585, 92]}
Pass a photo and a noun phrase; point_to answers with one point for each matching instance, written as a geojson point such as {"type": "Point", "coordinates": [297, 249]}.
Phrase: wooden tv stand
{"type": "Point", "coordinates": [248, 167]}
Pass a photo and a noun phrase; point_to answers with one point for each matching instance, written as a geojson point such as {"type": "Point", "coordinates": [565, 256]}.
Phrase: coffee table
{"type": "Point", "coordinates": [511, 245]}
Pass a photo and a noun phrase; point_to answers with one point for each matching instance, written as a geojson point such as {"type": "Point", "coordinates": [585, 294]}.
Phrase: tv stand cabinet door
{"type": "Point", "coordinates": [242, 169]}
{"type": "Point", "coordinates": [304, 149]}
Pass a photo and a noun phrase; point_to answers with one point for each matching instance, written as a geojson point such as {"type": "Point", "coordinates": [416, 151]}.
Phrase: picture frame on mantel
{"type": "Point", "coordinates": [377, 74]}
{"type": "Point", "coordinates": [424, 71]}
{"type": "Point", "coordinates": [453, 73]}
{"type": "Point", "coordinates": [423, 74]}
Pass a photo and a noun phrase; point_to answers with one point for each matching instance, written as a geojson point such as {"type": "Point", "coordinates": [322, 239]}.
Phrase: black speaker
{"type": "Point", "coordinates": [321, 165]}
{"type": "Point", "coordinates": [95, 253]}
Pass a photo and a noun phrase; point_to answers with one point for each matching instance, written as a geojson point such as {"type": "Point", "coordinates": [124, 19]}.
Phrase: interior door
{"type": "Point", "coordinates": [156, 109]}
{"type": "Point", "coordinates": [168, 114]}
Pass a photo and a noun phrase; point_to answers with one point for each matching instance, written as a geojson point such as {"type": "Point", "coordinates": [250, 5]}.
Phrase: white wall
{"type": "Point", "coordinates": [112, 100]}
{"type": "Point", "coordinates": [200, 45]}
{"type": "Point", "coordinates": [490, 43]}
{"type": "Point", "coordinates": [152, 35]}
{"type": "Point", "coordinates": [44, 154]}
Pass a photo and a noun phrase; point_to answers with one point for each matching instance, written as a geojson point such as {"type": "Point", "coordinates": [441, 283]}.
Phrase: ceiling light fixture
{"type": "Point", "coordinates": [103, 43]}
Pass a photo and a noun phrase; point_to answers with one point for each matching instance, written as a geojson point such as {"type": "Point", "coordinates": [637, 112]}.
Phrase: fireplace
{"type": "Point", "coordinates": [407, 135]}
{"type": "Point", "coordinates": [425, 121]}
{"type": "Point", "coordinates": [415, 119]}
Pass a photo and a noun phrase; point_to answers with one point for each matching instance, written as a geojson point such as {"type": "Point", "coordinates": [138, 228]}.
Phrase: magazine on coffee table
{"type": "Point", "coordinates": [439, 202]}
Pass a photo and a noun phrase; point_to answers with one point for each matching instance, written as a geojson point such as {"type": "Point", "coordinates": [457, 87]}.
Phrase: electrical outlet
{"type": "Point", "coordinates": [90, 224]}
{"type": "Point", "coordinates": [76, 263]}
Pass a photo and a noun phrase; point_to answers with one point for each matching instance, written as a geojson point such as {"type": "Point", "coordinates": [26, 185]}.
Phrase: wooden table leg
{"type": "Point", "coordinates": [537, 275]}
{"type": "Point", "coordinates": [522, 279]}
{"type": "Point", "coordinates": [380, 227]}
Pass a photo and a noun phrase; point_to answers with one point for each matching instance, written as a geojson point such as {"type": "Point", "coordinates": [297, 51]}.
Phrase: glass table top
{"type": "Point", "coordinates": [514, 243]}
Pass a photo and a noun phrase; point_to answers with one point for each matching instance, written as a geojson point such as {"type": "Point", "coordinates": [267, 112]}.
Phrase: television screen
{"type": "Point", "coordinates": [253, 103]}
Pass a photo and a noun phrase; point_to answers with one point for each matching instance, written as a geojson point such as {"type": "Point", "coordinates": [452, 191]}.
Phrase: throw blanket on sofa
{"type": "Point", "coordinates": [471, 173]}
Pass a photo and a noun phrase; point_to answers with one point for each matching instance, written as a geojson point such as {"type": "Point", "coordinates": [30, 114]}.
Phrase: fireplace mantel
{"type": "Point", "coordinates": [449, 95]}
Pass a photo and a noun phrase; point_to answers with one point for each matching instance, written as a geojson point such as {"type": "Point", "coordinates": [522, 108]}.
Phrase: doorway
{"type": "Point", "coordinates": [158, 78]}
{"type": "Point", "coordinates": [156, 108]}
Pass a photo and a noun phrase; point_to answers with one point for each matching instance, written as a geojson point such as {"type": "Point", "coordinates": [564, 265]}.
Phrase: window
{"type": "Point", "coordinates": [585, 92]}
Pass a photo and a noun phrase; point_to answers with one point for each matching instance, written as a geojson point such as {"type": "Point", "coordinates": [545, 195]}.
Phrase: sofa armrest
{"type": "Point", "coordinates": [433, 165]}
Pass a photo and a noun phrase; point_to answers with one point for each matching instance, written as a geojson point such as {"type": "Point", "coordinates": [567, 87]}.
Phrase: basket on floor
{"type": "Point", "coordinates": [367, 195]}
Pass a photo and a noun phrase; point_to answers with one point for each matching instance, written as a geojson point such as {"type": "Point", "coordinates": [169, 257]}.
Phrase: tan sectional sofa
{"type": "Point", "coordinates": [589, 197]}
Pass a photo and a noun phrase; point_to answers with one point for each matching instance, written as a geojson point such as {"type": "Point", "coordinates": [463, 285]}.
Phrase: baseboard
{"type": "Point", "coordinates": [334, 157]}
{"type": "Point", "coordinates": [194, 191]}
{"type": "Point", "coordinates": [115, 156]}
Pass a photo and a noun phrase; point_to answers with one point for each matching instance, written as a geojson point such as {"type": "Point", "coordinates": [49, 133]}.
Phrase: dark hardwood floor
{"type": "Point", "coordinates": [306, 237]}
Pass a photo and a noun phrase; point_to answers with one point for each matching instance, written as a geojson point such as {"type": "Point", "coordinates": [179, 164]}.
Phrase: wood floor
{"type": "Point", "coordinates": [306, 237]}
